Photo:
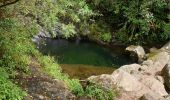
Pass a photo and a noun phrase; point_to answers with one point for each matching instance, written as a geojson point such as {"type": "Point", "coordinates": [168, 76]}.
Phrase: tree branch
{"type": "Point", "coordinates": [9, 3]}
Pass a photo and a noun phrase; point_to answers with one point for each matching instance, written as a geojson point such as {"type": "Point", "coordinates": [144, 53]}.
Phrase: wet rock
{"type": "Point", "coordinates": [136, 52]}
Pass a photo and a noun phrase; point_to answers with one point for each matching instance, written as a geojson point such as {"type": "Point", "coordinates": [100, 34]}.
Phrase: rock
{"type": "Point", "coordinates": [132, 68]}
{"type": "Point", "coordinates": [136, 52]}
{"type": "Point", "coordinates": [167, 97]}
{"type": "Point", "coordinates": [153, 49]}
{"type": "Point", "coordinates": [160, 78]}
{"type": "Point", "coordinates": [166, 75]}
{"type": "Point", "coordinates": [166, 46]}
{"type": "Point", "coordinates": [135, 85]}
{"type": "Point", "coordinates": [151, 96]}
{"type": "Point", "coordinates": [122, 81]}
{"type": "Point", "coordinates": [155, 85]}
{"type": "Point", "coordinates": [135, 81]}
{"type": "Point", "coordinates": [156, 63]}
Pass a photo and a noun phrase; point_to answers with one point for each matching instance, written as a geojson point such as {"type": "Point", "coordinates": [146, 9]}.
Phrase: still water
{"type": "Point", "coordinates": [81, 60]}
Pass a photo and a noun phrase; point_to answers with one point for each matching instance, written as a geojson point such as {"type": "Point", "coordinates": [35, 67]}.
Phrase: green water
{"type": "Point", "coordinates": [85, 53]}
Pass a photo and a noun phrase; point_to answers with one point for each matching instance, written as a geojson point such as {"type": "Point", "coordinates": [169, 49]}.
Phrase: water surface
{"type": "Point", "coordinates": [85, 58]}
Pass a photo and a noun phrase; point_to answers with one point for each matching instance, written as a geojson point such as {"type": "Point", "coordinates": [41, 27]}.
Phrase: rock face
{"type": "Point", "coordinates": [142, 81]}
{"type": "Point", "coordinates": [166, 75]}
{"type": "Point", "coordinates": [156, 63]}
{"type": "Point", "coordinates": [136, 52]}
{"type": "Point", "coordinates": [151, 96]}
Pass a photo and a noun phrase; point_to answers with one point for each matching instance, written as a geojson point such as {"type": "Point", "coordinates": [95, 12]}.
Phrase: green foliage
{"type": "Point", "coordinates": [99, 32]}
{"type": "Point", "coordinates": [136, 21]}
{"type": "Point", "coordinates": [8, 90]}
{"type": "Point", "coordinates": [15, 45]}
{"type": "Point", "coordinates": [99, 93]}
{"type": "Point", "coordinates": [52, 68]}
{"type": "Point", "coordinates": [15, 50]}
{"type": "Point", "coordinates": [68, 15]}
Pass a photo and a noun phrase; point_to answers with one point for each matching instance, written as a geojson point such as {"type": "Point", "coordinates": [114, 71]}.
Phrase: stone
{"type": "Point", "coordinates": [122, 81]}
{"type": "Point", "coordinates": [166, 75]}
{"type": "Point", "coordinates": [153, 84]}
{"type": "Point", "coordinates": [156, 63]}
{"type": "Point", "coordinates": [160, 78]}
{"type": "Point", "coordinates": [167, 97]}
{"type": "Point", "coordinates": [151, 96]}
{"type": "Point", "coordinates": [136, 52]}
{"type": "Point", "coordinates": [132, 68]}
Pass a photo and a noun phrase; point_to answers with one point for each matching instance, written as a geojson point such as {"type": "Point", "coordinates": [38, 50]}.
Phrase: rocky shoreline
{"type": "Point", "coordinates": [149, 80]}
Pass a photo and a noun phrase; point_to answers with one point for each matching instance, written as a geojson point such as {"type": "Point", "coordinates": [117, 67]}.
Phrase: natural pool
{"type": "Point", "coordinates": [81, 60]}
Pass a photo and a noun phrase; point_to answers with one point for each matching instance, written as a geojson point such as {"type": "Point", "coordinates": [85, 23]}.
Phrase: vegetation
{"type": "Point", "coordinates": [137, 21]}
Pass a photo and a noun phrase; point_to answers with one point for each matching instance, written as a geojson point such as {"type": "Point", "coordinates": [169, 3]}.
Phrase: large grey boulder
{"type": "Point", "coordinates": [136, 52]}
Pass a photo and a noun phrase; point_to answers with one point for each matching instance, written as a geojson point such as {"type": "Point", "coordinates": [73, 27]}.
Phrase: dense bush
{"type": "Point", "coordinates": [135, 21]}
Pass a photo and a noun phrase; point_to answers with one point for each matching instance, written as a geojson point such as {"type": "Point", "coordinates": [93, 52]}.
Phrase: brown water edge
{"type": "Point", "coordinates": [80, 71]}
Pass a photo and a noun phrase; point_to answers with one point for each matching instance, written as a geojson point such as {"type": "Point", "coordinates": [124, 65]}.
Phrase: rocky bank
{"type": "Point", "coordinates": [149, 80]}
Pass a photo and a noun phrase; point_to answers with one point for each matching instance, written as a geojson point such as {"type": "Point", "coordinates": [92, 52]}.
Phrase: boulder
{"type": "Point", "coordinates": [131, 69]}
{"type": "Point", "coordinates": [136, 52]}
{"type": "Point", "coordinates": [166, 75]}
{"type": "Point", "coordinates": [155, 63]}
{"type": "Point", "coordinates": [151, 96]}
{"type": "Point", "coordinates": [153, 84]}
{"type": "Point", "coordinates": [122, 81]}
{"type": "Point", "coordinates": [140, 81]}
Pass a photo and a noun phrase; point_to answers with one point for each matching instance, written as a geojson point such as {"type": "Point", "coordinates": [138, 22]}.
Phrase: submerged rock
{"type": "Point", "coordinates": [137, 53]}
